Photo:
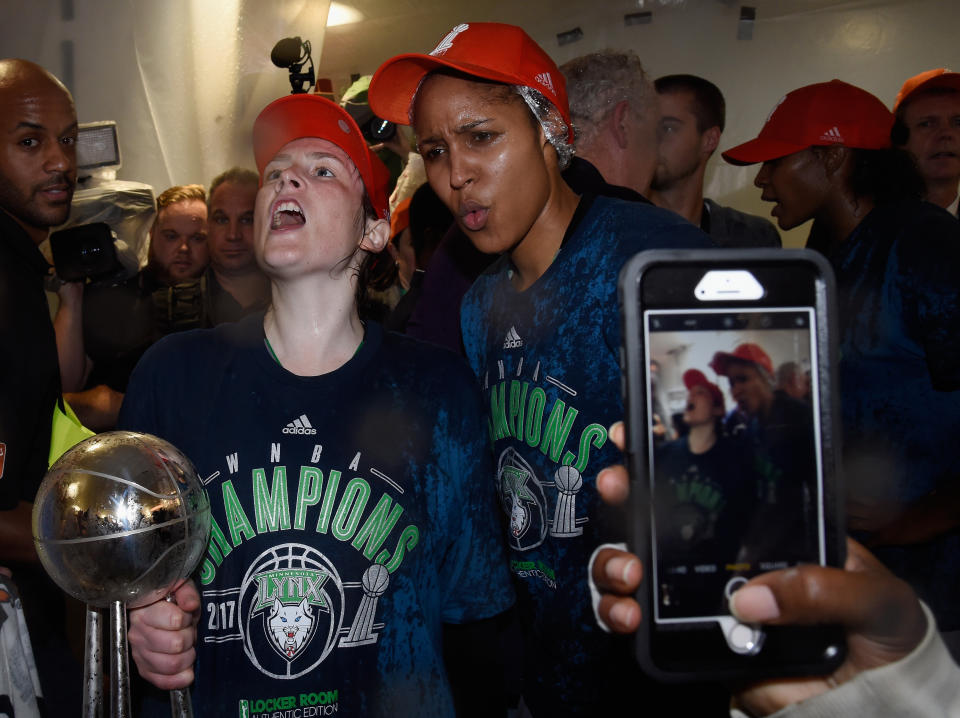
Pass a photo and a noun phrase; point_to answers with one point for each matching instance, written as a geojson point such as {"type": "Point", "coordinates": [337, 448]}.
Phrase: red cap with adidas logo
{"type": "Point", "coordinates": [488, 50]}
{"type": "Point", "coordinates": [828, 113]}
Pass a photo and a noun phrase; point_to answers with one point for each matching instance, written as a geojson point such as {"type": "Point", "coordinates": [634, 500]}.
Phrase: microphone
{"type": "Point", "coordinates": [286, 52]}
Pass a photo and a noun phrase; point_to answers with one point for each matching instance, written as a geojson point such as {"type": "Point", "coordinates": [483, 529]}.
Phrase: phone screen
{"type": "Point", "coordinates": [735, 466]}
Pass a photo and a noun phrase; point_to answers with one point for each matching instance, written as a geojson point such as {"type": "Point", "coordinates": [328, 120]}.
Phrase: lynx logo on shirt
{"type": "Point", "coordinates": [291, 607]}
{"type": "Point", "coordinates": [3, 456]}
{"type": "Point", "coordinates": [293, 610]}
{"type": "Point", "coordinates": [523, 501]}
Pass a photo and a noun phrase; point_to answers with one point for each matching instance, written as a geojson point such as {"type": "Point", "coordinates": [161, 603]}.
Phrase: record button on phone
{"type": "Point", "coordinates": [732, 585]}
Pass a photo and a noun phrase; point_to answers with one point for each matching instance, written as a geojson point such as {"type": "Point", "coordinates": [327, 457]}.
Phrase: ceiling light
{"type": "Point", "coordinates": [341, 14]}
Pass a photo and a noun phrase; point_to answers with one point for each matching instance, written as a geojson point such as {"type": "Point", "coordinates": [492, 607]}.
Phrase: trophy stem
{"type": "Point", "coordinates": [93, 666]}
{"type": "Point", "coordinates": [180, 703]}
{"type": "Point", "coordinates": [120, 667]}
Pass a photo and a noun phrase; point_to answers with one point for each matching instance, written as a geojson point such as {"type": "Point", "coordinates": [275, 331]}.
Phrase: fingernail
{"type": "Point", "coordinates": [613, 491]}
{"type": "Point", "coordinates": [619, 569]}
{"type": "Point", "coordinates": [615, 427]}
{"type": "Point", "coordinates": [623, 614]}
{"type": "Point", "coordinates": [754, 604]}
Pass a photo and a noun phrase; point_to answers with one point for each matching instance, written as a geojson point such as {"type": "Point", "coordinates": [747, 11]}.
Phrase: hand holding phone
{"type": "Point", "coordinates": [880, 614]}
{"type": "Point", "coordinates": [749, 486]}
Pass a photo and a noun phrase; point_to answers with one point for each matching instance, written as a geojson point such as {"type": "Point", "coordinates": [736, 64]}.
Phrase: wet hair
{"type": "Point", "coordinates": [543, 112]}
{"type": "Point", "coordinates": [709, 106]}
{"type": "Point", "coordinates": [885, 176]}
{"type": "Point", "coordinates": [599, 81]}
{"type": "Point", "coordinates": [240, 175]}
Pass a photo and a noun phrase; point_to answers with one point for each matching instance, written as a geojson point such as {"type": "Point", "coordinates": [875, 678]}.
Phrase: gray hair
{"type": "Point", "coordinates": [597, 82]}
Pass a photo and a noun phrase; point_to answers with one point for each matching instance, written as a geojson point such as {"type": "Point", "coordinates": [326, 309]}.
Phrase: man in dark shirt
{"type": "Point", "coordinates": [121, 320]}
{"type": "Point", "coordinates": [233, 285]}
{"type": "Point", "coordinates": [38, 170]}
{"type": "Point", "coordinates": [692, 117]}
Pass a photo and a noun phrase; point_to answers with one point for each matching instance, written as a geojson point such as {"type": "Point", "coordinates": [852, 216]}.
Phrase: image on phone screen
{"type": "Point", "coordinates": [736, 472]}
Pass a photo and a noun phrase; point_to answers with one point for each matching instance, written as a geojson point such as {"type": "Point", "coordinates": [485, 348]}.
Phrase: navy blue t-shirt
{"type": "Point", "coordinates": [352, 516]}
{"type": "Point", "coordinates": [547, 360]}
{"type": "Point", "coordinates": [898, 281]}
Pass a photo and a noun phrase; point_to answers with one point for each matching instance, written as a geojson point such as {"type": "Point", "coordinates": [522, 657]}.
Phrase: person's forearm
{"type": "Point", "coordinates": [68, 327]}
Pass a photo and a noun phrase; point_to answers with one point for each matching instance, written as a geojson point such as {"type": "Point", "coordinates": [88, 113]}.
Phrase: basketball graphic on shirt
{"type": "Point", "coordinates": [523, 500]}
{"type": "Point", "coordinates": [375, 580]}
{"type": "Point", "coordinates": [568, 480]}
{"type": "Point", "coordinates": [291, 610]}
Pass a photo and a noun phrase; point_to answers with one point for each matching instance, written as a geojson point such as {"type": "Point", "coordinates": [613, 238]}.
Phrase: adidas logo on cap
{"type": "Point", "coordinates": [832, 135]}
{"type": "Point", "coordinates": [513, 339]}
{"type": "Point", "coordinates": [447, 42]}
{"type": "Point", "coordinates": [301, 425]}
{"type": "Point", "coordinates": [544, 79]}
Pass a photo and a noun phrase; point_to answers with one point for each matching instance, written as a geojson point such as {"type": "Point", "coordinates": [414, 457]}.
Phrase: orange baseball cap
{"type": "Point", "coordinates": [748, 352]}
{"type": "Point", "coordinates": [695, 377]}
{"type": "Point", "coordinates": [488, 50]}
{"type": "Point", "coordinates": [828, 113]}
{"type": "Point", "coordinates": [941, 77]}
{"type": "Point", "coordinates": [302, 115]}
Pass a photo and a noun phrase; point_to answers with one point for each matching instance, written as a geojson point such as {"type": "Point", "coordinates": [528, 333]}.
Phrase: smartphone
{"type": "Point", "coordinates": [732, 444]}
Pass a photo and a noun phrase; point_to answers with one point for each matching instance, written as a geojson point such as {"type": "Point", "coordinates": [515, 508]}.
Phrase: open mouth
{"type": "Point", "coordinates": [286, 214]}
{"type": "Point", "coordinates": [473, 215]}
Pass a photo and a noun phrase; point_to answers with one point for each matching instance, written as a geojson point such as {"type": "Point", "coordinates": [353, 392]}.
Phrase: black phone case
{"type": "Point", "coordinates": [690, 652]}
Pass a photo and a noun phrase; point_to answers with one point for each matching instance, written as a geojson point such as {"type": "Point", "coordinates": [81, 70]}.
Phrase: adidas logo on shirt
{"type": "Point", "coordinates": [832, 135]}
{"type": "Point", "coordinates": [301, 425]}
{"type": "Point", "coordinates": [513, 339]}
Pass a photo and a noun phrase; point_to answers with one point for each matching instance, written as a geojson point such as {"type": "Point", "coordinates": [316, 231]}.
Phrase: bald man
{"type": "Point", "coordinates": [38, 172]}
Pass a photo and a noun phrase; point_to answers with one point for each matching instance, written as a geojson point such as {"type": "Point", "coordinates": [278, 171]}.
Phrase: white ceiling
{"type": "Point", "coordinates": [395, 26]}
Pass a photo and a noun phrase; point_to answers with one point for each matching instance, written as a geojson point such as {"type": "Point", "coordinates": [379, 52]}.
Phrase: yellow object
{"type": "Point", "coordinates": [66, 432]}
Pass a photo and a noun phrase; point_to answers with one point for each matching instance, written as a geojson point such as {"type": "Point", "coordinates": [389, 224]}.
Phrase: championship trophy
{"type": "Point", "coordinates": [119, 520]}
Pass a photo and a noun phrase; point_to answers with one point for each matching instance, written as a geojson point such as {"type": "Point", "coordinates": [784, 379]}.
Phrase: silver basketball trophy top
{"type": "Point", "coordinates": [121, 516]}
